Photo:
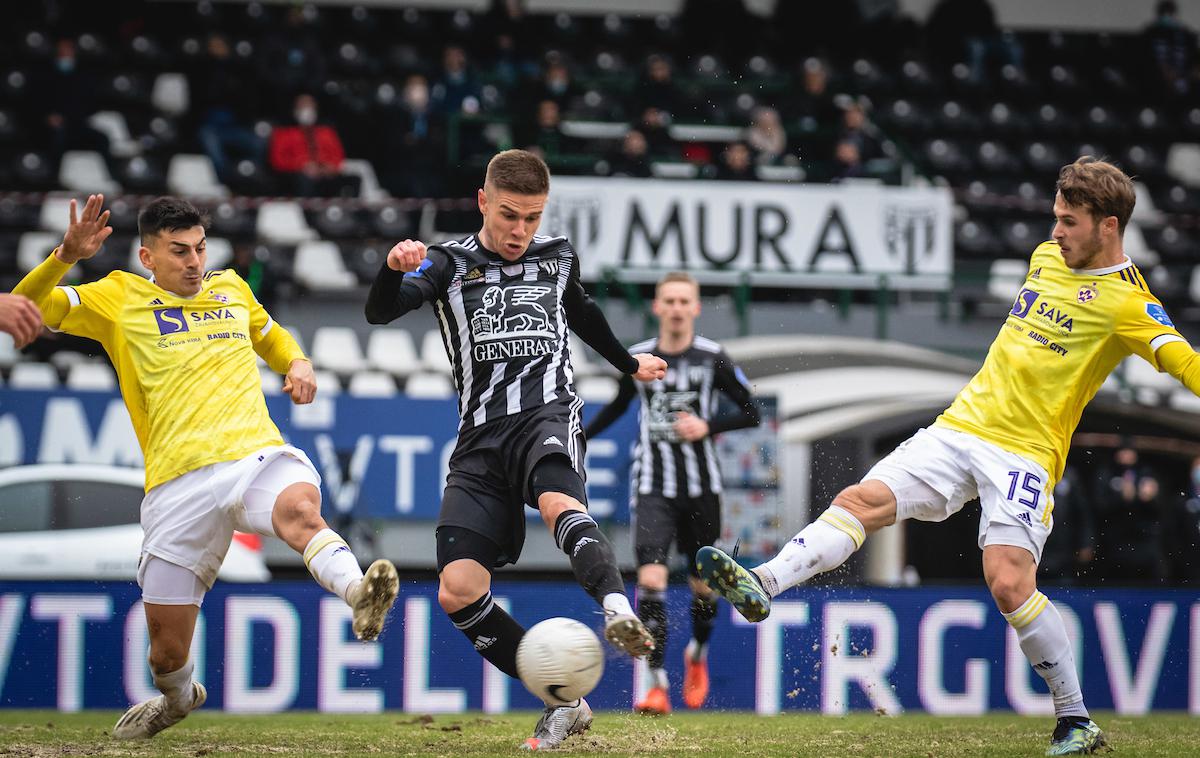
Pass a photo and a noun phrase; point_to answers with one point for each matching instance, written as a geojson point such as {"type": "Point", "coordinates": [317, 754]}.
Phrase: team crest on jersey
{"type": "Point", "coordinates": [550, 267]}
{"type": "Point", "coordinates": [219, 297]}
{"type": "Point", "coordinates": [1159, 314]}
{"type": "Point", "coordinates": [1087, 293]}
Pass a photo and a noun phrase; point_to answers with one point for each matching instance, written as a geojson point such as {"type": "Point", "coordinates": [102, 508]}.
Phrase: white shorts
{"type": "Point", "coordinates": [189, 521]}
{"type": "Point", "coordinates": [934, 472]}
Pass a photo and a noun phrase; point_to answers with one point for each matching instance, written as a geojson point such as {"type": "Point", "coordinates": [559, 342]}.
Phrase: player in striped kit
{"type": "Point", "coordinates": [505, 298]}
{"type": "Point", "coordinates": [1083, 309]}
{"type": "Point", "coordinates": [185, 345]}
{"type": "Point", "coordinates": [676, 478]}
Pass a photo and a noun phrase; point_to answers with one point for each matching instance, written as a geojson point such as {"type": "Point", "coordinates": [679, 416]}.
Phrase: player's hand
{"type": "Point", "coordinates": [690, 428]}
{"type": "Point", "coordinates": [86, 232]}
{"type": "Point", "coordinates": [406, 256]}
{"type": "Point", "coordinates": [300, 382]}
{"type": "Point", "coordinates": [650, 367]}
{"type": "Point", "coordinates": [20, 318]}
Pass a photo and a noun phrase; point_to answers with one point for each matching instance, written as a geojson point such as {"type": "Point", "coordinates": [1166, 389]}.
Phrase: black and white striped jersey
{"type": "Point", "coordinates": [504, 324]}
{"type": "Point", "coordinates": [664, 464]}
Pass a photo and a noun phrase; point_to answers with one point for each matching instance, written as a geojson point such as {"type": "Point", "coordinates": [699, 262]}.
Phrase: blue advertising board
{"type": "Point", "coordinates": [288, 645]}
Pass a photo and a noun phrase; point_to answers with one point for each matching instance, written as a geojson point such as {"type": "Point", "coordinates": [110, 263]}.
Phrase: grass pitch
{"type": "Point", "coordinates": [38, 734]}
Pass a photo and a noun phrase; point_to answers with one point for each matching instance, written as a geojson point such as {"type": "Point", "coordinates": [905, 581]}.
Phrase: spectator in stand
{"type": "Point", "coordinates": [1172, 48]}
{"type": "Point", "coordinates": [556, 85]}
{"type": "Point", "coordinates": [457, 90]}
{"type": "Point", "coordinates": [66, 94]}
{"type": "Point", "coordinates": [292, 60]}
{"type": "Point", "coordinates": [654, 126]}
{"type": "Point", "coordinates": [967, 30]}
{"type": "Point", "coordinates": [1132, 523]}
{"type": "Point", "coordinates": [813, 110]}
{"type": "Point", "coordinates": [413, 157]}
{"type": "Point", "coordinates": [1070, 550]}
{"type": "Point", "coordinates": [847, 161]}
{"type": "Point", "coordinates": [766, 136]}
{"type": "Point", "coordinates": [736, 165]}
{"type": "Point", "coordinates": [633, 160]}
{"type": "Point", "coordinates": [223, 99]}
{"type": "Point", "coordinates": [858, 129]}
{"type": "Point", "coordinates": [545, 135]}
{"type": "Point", "coordinates": [657, 88]}
{"type": "Point", "coordinates": [308, 156]}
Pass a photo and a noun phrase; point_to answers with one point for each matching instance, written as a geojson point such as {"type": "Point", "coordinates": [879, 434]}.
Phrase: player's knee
{"type": "Point", "coordinates": [455, 594]}
{"type": "Point", "coordinates": [1010, 590]}
{"type": "Point", "coordinates": [872, 503]}
{"type": "Point", "coordinates": [299, 512]}
{"type": "Point", "coordinates": [166, 657]}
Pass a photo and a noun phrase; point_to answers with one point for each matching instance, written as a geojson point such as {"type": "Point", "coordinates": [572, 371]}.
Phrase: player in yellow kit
{"type": "Point", "coordinates": [184, 344]}
{"type": "Point", "coordinates": [1084, 307]}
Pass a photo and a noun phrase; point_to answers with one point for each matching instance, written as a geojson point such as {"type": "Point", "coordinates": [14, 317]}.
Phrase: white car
{"type": "Point", "coordinates": [77, 521]}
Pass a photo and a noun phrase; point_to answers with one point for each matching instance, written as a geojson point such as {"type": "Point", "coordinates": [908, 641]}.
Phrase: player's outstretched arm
{"type": "Point", "coordinates": [86, 231]}
{"type": "Point", "coordinates": [729, 379]}
{"type": "Point", "coordinates": [1182, 362]}
{"type": "Point", "coordinates": [408, 278]}
{"type": "Point", "coordinates": [650, 367]}
{"type": "Point", "coordinates": [611, 412]}
{"type": "Point", "coordinates": [20, 318]}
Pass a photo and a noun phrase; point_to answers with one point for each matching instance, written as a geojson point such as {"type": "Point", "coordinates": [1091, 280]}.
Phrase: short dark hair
{"type": "Point", "coordinates": [518, 171]}
{"type": "Point", "coordinates": [1100, 187]}
{"type": "Point", "coordinates": [169, 214]}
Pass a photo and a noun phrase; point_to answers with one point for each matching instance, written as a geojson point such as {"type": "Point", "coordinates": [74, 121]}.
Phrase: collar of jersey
{"type": "Point", "coordinates": [1102, 271]}
{"type": "Point", "coordinates": [172, 294]}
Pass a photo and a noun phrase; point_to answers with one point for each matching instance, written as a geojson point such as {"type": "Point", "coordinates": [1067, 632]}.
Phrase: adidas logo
{"type": "Point", "coordinates": [552, 440]}
{"type": "Point", "coordinates": [579, 545]}
{"type": "Point", "coordinates": [341, 549]}
{"type": "Point", "coordinates": [156, 301]}
{"type": "Point", "coordinates": [1044, 665]}
{"type": "Point", "coordinates": [483, 643]}
{"type": "Point", "coordinates": [1025, 517]}
{"type": "Point", "coordinates": [1036, 274]}
{"type": "Point", "coordinates": [798, 541]}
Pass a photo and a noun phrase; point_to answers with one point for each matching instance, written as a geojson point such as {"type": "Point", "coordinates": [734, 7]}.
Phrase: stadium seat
{"type": "Point", "coordinates": [391, 223]}
{"type": "Point", "coordinates": [112, 123]}
{"type": "Point", "coordinates": [283, 221]}
{"type": "Point", "coordinates": [1177, 198]}
{"type": "Point", "coordinates": [1145, 211]}
{"type": "Point", "coordinates": [170, 94]}
{"type": "Point", "coordinates": [56, 214]}
{"type": "Point", "coordinates": [319, 267]}
{"type": "Point", "coordinates": [33, 171]}
{"type": "Point", "coordinates": [1171, 242]}
{"type": "Point", "coordinates": [597, 389]}
{"type": "Point", "coordinates": [33, 376]}
{"type": "Point", "coordinates": [1134, 243]}
{"type": "Point", "coordinates": [433, 353]}
{"type": "Point", "coordinates": [194, 176]}
{"type": "Point", "coordinates": [372, 384]}
{"type": "Point", "coordinates": [392, 350]}
{"type": "Point", "coordinates": [97, 377]}
{"type": "Point", "coordinates": [272, 383]}
{"type": "Point", "coordinates": [336, 348]}
{"type": "Point", "coordinates": [232, 219]}
{"type": "Point", "coordinates": [1141, 375]}
{"type": "Point", "coordinates": [86, 171]}
{"type": "Point", "coordinates": [142, 175]}
{"type": "Point", "coordinates": [1194, 285]}
{"type": "Point", "coordinates": [328, 383]}
{"type": "Point", "coordinates": [1183, 163]}
{"type": "Point", "coordinates": [1006, 277]}
{"type": "Point", "coordinates": [33, 249]}
{"type": "Point", "coordinates": [370, 189]}
{"type": "Point", "coordinates": [1022, 236]}
{"type": "Point", "coordinates": [8, 350]}
{"type": "Point", "coordinates": [429, 386]}
{"type": "Point", "coordinates": [674, 170]}
{"type": "Point", "coordinates": [581, 361]}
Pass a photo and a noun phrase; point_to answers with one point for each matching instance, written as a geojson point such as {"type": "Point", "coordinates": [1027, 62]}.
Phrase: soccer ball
{"type": "Point", "coordinates": [560, 660]}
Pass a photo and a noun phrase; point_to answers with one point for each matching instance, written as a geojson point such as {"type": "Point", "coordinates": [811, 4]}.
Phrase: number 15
{"type": "Point", "coordinates": [1032, 484]}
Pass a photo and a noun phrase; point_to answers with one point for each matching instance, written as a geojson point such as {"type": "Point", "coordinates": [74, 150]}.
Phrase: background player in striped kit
{"type": "Point", "coordinates": [676, 478]}
{"type": "Point", "coordinates": [505, 298]}
{"type": "Point", "coordinates": [1084, 307]}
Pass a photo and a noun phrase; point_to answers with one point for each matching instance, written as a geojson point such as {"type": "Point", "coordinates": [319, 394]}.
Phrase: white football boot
{"type": "Point", "coordinates": [372, 598]}
{"type": "Point", "coordinates": [557, 723]}
{"type": "Point", "coordinates": [147, 719]}
{"type": "Point", "coordinates": [628, 634]}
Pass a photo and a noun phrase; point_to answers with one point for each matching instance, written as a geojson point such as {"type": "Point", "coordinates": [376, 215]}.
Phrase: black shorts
{"type": "Point", "coordinates": [689, 522]}
{"type": "Point", "coordinates": [490, 471]}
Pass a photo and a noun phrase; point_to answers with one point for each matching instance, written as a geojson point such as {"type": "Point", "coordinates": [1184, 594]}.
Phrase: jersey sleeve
{"type": "Point", "coordinates": [271, 342]}
{"type": "Point", "coordinates": [587, 320]}
{"type": "Point", "coordinates": [1143, 326]}
{"type": "Point", "coordinates": [394, 293]}
{"type": "Point", "coordinates": [732, 382]}
{"type": "Point", "coordinates": [94, 308]}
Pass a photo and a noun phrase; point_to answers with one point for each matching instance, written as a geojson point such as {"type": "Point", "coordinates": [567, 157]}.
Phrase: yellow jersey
{"type": "Point", "coordinates": [186, 366]}
{"type": "Point", "coordinates": [1065, 334]}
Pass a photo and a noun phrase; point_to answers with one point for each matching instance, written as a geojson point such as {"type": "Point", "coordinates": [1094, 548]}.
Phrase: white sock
{"type": "Point", "coordinates": [695, 652]}
{"type": "Point", "coordinates": [177, 687]}
{"type": "Point", "coordinates": [616, 602]}
{"type": "Point", "coordinates": [332, 564]}
{"type": "Point", "coordinates": [822, 545]}
{"type": "Point", "coordinates": [1043, 638]}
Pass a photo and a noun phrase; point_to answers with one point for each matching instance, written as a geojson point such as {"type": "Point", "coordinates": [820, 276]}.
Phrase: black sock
{"type": "Point", "coordinates": [652, 610]}
{"type": "Point", "coordinates": [703, 613]}
{"type": "Point", "coordinates": [492, 631]}
{"type": "Point", "coordinates": [591, 554]}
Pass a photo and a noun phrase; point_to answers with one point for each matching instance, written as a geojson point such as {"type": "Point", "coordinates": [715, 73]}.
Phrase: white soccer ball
{"type": "Point", "coordinates": [560, 660]}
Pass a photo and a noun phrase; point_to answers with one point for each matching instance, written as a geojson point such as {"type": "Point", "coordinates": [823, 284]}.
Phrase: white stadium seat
{"type": "Point", "coordinates": [369, 190]}
{"type": "Point", "coordinates": [319, 266]}
{"type": "Point", "coordinates": [170, 94]}
{"type": "Point", "coordinates": [8, 350]}
{"type": "Point", "coordinates": [194, 176]}
{"type": "Point", "coordinates": [1183, 163]}
{"type": "Point", "coordinates": [429, 386]}
{"type": "Point", "coordinates": [86, 171]}
{"type": "Point", "coordinates": [433, 353]}
{"type": "Point", "coordinates": [114, 126]}
{"type": "Point", "coordinates": [336, 348]}
{"type": "Point", "coordinates": [33, 248]}
{"type": "Point", "coordinates": [56, 214]}
{"type": "Point", "coordinates": [597, 389]}
{"type": "Point", "coordinates": [220, 253]}
{"type": "Point", "coordinates": [283, 221]}
{"type": "Point", "coordinates": [392, 350]}
{"type": "Point", "coordinates": [33, 376]}
{"type": "Point", "coordinates": [372, 384]}
{"type": "Point", "coordinates": [91, 376]}
{"type": "Point", "coordinates": [327, 383]}
{"type": "Point", "coordinates": [272, 383]}
{"type": "Point", "coordinates": [1006, 277]}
